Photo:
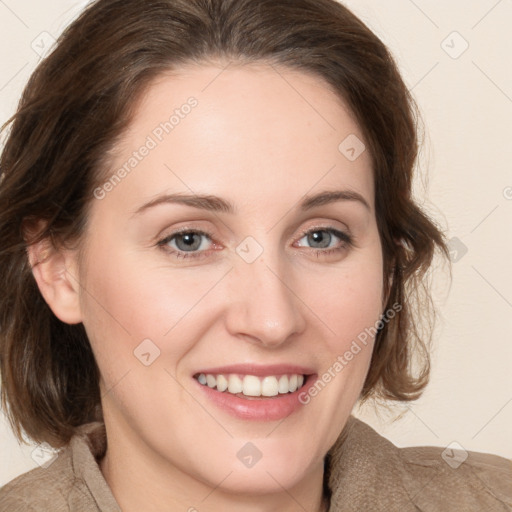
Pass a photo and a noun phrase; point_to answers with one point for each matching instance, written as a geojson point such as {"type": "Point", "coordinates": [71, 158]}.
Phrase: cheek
{"type": "Point", "coordinates": [348, 300]}
{"type": "Point", "coordinates": [128, 301]}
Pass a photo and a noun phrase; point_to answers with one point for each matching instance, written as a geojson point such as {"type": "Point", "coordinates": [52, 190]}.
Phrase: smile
{"type": "Point", "coordinates": [252, 385]}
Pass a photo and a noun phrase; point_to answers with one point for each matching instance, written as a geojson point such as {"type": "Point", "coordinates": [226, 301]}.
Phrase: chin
{"type": "Point", "coordinates": [261, 466]}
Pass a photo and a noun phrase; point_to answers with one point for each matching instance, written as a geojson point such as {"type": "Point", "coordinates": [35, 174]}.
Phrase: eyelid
{"type": "Point", "coordinates": [187, 229]}
{"type": "Point", "coordinates": [323, 227]}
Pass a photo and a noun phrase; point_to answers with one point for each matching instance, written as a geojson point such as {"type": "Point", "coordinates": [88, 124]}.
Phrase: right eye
{"type": "Point", "coordinates": [186, 243]}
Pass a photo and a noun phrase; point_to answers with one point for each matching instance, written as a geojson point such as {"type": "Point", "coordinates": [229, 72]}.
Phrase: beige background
{"type": "Point", "coordinates": [466, 102]}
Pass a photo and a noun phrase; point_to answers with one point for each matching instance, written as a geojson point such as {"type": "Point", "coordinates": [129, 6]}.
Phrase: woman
{"type": "Point", "coordinates": [210, 253]}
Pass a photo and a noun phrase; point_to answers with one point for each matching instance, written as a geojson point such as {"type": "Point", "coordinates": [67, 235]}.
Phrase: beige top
{"type": "Point", "coordinates": [364, 472]}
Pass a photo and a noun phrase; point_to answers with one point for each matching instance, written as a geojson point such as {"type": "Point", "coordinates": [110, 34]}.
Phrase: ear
{"type": "Point", "coordinates": [55, 271]}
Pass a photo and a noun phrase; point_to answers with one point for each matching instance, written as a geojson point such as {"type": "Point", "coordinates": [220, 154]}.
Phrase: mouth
{"type": "Point", "coordinates": [253, 387]}
{"type": "Point", "coordinates": [253, 392]}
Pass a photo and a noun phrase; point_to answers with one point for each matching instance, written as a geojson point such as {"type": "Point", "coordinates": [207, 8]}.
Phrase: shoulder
{"type": "Point", "coordinates": [371, 470]}
{"type": "Point", "coordinates": [470, 480]}
{"type": "Point", "coordinates": [72, 481]}
{"type": "Point", "coordinates": [40, 488]}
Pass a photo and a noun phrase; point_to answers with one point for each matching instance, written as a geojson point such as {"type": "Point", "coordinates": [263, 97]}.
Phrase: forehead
{"type": "Point", "coordinates": [240, 130]}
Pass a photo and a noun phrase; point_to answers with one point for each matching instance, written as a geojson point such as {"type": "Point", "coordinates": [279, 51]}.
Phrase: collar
{"type": "Point", "coordinates": [88, 447]}
{"type": "Point", "coordinates": [363, 470]}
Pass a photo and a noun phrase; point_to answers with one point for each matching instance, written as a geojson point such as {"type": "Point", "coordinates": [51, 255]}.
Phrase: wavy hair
{"type": "Point", "coordinates": [75, 107]}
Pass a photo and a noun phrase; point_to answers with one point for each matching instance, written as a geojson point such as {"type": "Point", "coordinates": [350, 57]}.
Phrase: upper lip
{"type": "Point", "coordinates": [258, 369]}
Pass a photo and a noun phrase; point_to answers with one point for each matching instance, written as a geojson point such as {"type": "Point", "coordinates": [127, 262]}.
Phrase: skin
{"type": "Point", "coordinates": [261, 144]}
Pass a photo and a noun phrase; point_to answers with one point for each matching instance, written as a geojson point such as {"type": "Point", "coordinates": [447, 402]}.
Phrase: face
{"type": "Point", "coordinates": [272, 274]}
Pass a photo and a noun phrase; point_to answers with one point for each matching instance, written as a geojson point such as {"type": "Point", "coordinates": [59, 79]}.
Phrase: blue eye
{"type": "Point", "coordinates": [186, 243]}
{"type": "Point", "coordinates": [193, 243]}
{"type": "Point", "coordinates": [321, 238]}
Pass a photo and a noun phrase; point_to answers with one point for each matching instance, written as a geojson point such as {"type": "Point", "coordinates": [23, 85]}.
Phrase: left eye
{"type": "Point", "coordinates": [322, 238]}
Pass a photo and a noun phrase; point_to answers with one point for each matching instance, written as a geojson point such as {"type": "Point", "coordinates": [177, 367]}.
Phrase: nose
{"type": "Point", "coordinates": [263, 306]}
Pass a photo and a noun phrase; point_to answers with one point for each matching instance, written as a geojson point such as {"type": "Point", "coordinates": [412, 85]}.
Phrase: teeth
{"type": "Point", "coordinates": [251, 385]}
{"type": "Point", "coordinates": [234, 384]}
{"type": "Point", "coordinates": [269, 386]}
{"type": "Point", "coordinates": [283, 384]}
{"type": "Point", "coordinates": [222, 383]}
{"type": "Point", "coordinates": [293, 383]}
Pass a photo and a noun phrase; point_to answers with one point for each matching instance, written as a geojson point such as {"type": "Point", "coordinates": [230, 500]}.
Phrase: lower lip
{"type": "Point", "coordinates": [258, 409]}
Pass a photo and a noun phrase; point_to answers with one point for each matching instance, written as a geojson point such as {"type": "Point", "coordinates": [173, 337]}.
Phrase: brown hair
{"type": "Point", "coordinates": [74, 109]}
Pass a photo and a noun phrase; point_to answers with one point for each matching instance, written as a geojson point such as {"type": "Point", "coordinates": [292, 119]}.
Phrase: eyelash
{"type": "Point", "coordinates": [347, 242]}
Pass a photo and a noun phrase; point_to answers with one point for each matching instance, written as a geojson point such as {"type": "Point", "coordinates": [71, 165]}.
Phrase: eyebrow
{"type": "Point", "coordinates": [218, 204]}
